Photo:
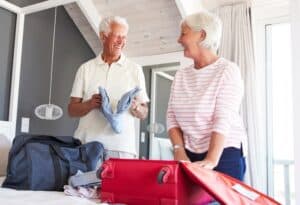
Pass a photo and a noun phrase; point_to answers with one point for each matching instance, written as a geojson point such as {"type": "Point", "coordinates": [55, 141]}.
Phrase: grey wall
{"type": "Point", "coordinates": [71, 50]}
{"type": "Point", "coordinates": [7, 36]}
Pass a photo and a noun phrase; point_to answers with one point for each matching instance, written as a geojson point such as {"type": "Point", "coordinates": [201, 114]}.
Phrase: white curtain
{"type": "Point", "coordinates": [237, 45]}
{"type": "Point", "coordinates": [295, 29]}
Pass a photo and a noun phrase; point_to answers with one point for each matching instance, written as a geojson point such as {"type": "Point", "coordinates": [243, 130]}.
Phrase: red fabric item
{"type": "Point", "coordinates": [157, 182]}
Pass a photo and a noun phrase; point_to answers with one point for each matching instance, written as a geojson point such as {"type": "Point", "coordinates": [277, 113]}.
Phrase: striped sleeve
{"type": "Point", "coordinates": [228, 100]}
{"type": "Point", "coordinates": [171, 119]}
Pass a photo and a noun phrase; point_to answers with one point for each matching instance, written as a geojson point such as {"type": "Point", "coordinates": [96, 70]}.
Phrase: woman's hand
{"type": "Point", "coordinates": [207, 163]}
{"type": "Point", "coordinates": [176, 137]}
{"type": "Point", "coordinates": [180, 155]}
{"type": "Point", "coordinates": [216, 146]}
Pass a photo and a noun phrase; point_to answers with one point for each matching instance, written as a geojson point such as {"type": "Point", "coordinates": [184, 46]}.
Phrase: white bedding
{"type": "Point", "coordinates": [15, 197]}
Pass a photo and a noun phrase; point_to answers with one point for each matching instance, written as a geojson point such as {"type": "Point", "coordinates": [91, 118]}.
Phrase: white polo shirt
{"type": "Point", "coordinates": [117, 79]}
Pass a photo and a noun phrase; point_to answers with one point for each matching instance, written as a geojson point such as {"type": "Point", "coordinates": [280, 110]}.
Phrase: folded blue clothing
{"type": "Point", "coordinates": [84, 179]}
{"type": "Point", "coordinates": [123, 105]}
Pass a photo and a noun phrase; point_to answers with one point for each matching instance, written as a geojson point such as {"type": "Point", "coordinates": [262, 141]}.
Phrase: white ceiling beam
{"type": "Point", "coordinates": [163, 59]}
{"type": "Point", "coordinates": [180, 6]}
{"type": "Point", "coordinates": [187, 7]}
{"type": "Point", "coordinates": [9, 6]}
{"type": "Point", "coordinates": [45, 5]}
{"type": "Point", "coordinates": [91, 13]}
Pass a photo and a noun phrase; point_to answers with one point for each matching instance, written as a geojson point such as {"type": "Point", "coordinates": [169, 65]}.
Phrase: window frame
{"type": "Point", "coordinates": [263, 61]}
{"type": "Point", "coordinates": [269, 107]}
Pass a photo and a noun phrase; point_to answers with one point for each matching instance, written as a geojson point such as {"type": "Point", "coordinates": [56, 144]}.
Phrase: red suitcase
{"type": "Point", "coordinates": [156, 182]}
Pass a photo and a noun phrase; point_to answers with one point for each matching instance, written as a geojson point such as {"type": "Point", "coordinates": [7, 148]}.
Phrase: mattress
{"type": "Point", "coordinates": [17, 197]}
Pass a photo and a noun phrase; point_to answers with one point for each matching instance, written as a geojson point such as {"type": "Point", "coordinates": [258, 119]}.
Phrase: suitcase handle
{"type": "Point", "coordinates": [106, 170]}
{"type": "Point", "coordinates": [164, 175]}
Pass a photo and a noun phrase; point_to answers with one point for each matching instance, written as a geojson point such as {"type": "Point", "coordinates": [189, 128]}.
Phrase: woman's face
{"type": "Point", "coordinates": [189, 40]}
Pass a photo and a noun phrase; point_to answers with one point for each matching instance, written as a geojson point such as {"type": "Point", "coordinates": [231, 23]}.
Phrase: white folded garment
{"type": "Point", "coordinates": [83, 192]}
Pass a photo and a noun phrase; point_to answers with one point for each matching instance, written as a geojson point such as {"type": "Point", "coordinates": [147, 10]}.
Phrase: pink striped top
{"type": "Point", "coordinates": [207, 100]}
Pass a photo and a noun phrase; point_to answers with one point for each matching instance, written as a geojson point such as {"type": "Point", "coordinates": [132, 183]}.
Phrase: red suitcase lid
{"type": "Point", "coordinates": [224, 188]}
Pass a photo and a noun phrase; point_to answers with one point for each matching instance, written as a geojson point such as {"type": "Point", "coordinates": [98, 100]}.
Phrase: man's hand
{"type": "Point", "coordinates": [77, 108]}
{"type": "Point", "coordinates": [95, 101]}
{"type": "Point", "coordinates": [139, 110]}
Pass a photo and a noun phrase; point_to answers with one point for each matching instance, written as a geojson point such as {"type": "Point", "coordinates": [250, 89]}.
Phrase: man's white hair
{"type": "Point", "coordinates": [105, 24]}
{"type": "Point", "coordinates": [208, 22]}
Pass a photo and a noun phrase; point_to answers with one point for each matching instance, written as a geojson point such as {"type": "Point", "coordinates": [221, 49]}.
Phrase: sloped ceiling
{"type": "Point", "coordinates": [22, 3]}
{"type": "Point", "coordinates": [84, 27]}
{"type": "Point", "coordinates": [154, 25]}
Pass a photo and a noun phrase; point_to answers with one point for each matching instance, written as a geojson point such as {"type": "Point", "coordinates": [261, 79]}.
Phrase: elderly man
{"type": "Point", "coordinates": [117, 75]}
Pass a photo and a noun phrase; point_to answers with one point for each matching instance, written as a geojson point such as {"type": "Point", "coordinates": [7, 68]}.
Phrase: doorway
{"type": "Point", "coordinates": [153, 133]}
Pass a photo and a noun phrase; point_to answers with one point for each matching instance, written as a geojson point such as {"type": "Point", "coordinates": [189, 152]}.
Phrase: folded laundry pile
{"type": "Point", "coordinates": [83, 184]}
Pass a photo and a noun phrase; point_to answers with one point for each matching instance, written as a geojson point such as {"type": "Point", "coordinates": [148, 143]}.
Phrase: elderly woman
{"type": "Point", "coordinates": [203, 111]}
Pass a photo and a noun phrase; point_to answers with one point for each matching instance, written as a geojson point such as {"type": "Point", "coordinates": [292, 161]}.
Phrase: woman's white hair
{"type": "Point", "coordinates": [105, 24]}
{"type": "Point", "coordinates": [208, 22]}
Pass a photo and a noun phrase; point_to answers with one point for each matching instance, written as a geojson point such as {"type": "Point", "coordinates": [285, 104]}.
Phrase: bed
{"type": "Point", "coordinates": [16, 197]}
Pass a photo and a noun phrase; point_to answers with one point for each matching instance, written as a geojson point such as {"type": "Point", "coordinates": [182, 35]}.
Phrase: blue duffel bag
{"type": "Point", "coordinates": [38, 162]}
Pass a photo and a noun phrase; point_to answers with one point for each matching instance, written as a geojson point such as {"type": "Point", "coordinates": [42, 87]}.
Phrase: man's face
{"type": "Point", "coordinates": [114, 42]}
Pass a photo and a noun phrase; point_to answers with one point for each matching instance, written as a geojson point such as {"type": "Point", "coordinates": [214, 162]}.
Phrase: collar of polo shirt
{"type": "Point", "coordinates": [120, 62]}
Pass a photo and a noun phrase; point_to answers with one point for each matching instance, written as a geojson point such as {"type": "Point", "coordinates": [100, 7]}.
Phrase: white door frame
{"type": "Point", "coordinates": [8, 128]}
{"type": "Point", "coordinates": [155, 72]}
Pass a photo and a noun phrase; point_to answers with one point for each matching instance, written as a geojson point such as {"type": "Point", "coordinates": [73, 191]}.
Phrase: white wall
{"type": "Point", "coordinates": [295, 19]}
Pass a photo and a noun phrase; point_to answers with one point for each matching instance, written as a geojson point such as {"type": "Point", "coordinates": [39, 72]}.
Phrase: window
{"type": "Point", "coordinates": [279, 113]}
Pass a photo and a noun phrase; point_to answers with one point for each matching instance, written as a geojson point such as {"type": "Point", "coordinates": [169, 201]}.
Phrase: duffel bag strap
{"type": "Point", "coordinates": [83, 154]}
{"type": "Point", "coordinates": [82, 150]}
{"type": "Point", "coordinates": [67, 140]}
{"type": "Point", "coordinates": [73, 166]}
{"type": "Point", "coordinates": [58, 184]}
{"type": "Point", "coordinates": [57, 150]}
{"type": "Point", "coordinates": [58, 155]}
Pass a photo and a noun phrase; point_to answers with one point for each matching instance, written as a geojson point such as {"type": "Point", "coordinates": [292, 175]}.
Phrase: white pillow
{"type": "Point", "coordinates": [5, 145]}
